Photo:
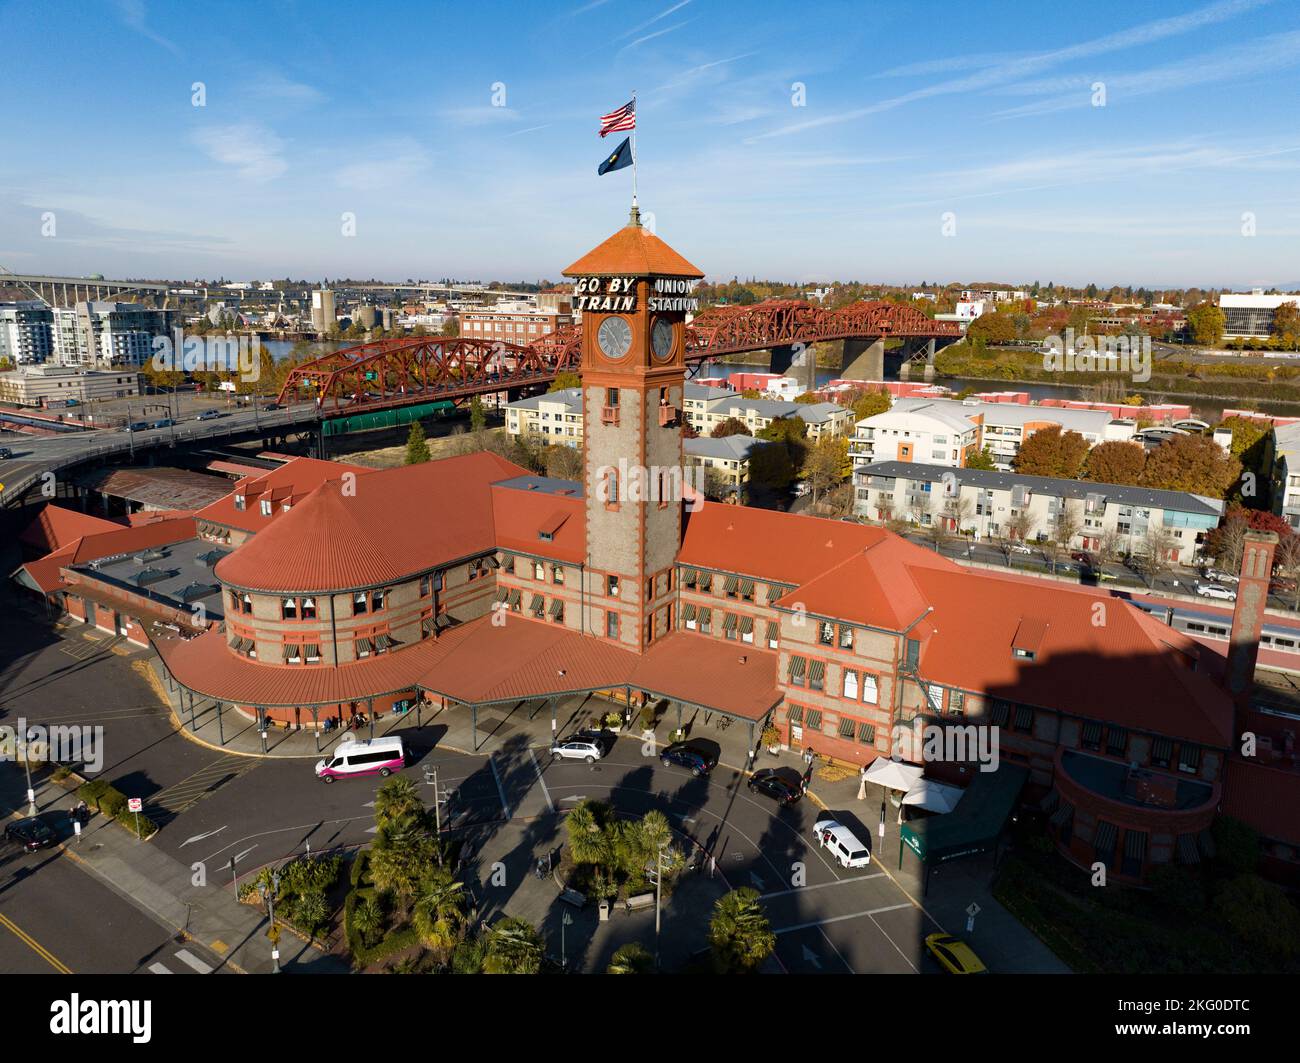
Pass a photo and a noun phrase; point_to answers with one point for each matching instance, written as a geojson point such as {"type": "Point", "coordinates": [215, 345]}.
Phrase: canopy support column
{"type": "Point", "coordinates": [473, 710]}
{"type": "Point", "coordinates": [221, 730]}
{"type": "Point", "coordinates": [370, 705]}
{"type": "Point", "coordinates": [315, 724]}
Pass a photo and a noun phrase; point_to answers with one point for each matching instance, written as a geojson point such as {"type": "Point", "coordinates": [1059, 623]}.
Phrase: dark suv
{"type": "Point", "coordinates": [784, 789]}
{"type": "Point", "coordinates": [695, 758]}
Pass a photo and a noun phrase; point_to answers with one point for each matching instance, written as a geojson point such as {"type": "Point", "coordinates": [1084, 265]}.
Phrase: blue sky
{"type": "Point", "coordinates": [911, 112]}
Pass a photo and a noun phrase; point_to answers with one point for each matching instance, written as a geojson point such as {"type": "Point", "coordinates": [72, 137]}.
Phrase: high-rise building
{"type": "Point", "coordinates": [109, 335]}
{"type": "Point", "coordinates": [26, 332]}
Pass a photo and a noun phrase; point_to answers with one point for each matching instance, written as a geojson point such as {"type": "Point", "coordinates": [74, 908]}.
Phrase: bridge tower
{"type": "Point", "coordinates": [633, 291]}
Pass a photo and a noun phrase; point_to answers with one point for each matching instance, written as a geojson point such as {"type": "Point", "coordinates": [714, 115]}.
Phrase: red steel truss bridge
{"type": "Point", "coordinates": [399, 372]}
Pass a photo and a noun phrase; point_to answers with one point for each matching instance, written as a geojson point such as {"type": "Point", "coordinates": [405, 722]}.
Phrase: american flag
{"type": "Point", "coordinates": [617, 121]}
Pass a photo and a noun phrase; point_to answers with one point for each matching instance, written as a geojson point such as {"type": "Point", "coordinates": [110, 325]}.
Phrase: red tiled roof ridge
{"type": "Point", "coordinates": [636, 251]}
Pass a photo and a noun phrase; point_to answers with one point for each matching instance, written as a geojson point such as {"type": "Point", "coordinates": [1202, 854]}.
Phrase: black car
{"type": "Point", "coordinates": [5, 453]}
{"type": "Point", "coordinates": [695, 758]}
{"type": "Point", "coordinates": [30, 833]}
{"type": "Point", "coordinates": [784, 790]}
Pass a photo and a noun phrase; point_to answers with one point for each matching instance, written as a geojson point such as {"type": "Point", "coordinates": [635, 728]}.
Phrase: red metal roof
{"type": "Point", "coordinates": [633, 251]}
{"type": "Point", "coordinates": [521, 516]}
{"type": "Point", "coordinates": [296, 477]}
{"type": "Point", "coordinates": [45, 572]}
{"type": "Point", "coordinates": [56, 527]}
{"type": "Point", "coordinates": [1117, 664]}
{"type": "Point", "coordinates": [395, 523]}
{"type": "Point", "coordinates": [1264, 797]}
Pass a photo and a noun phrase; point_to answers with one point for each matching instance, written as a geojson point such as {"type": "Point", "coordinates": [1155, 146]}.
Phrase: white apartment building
{"type": "Point", "coordinates": [554, 418]}
{"type": "Point", "coordinates": [109, 335]}
{"type": "Point", "coordinates": [981, 503]}
{"type": "Point", "coordinates": [822, 418]}
{"type": "Point", "coordinates": [26, 332]}
{"type": "Point", "coordinates": [728, 457]}
{"type": "Point", "coordinates": [948, 431]}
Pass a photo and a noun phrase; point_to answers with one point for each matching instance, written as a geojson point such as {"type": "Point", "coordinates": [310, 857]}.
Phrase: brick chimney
{"type": "Point", "coordinates": [1248, 614]}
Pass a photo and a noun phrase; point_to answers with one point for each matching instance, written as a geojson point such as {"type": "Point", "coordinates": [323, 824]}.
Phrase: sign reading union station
{"type": "Point", "coordinates": [618, 294]}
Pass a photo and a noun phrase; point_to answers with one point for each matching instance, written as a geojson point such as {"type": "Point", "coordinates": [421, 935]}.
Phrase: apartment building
{"type": "Point", "coordinates": [727, 457]}
{"type": "Point", "coordinates": [26, 332]}
{"type": "Point", "coordinates": [555, 417]}
{"type": "Point", "coordinates": [948, 431]}
{"type": "Point", "coordinates": [109, 335]}
{"type": "Point", "coordinates": [981, 503]}
{"type": "Point", "coordinates": [1286, 473]}
{"type": "Point", "coordinates": [55, 386]}
{"type": "Point", "coordinates": [822, 418]}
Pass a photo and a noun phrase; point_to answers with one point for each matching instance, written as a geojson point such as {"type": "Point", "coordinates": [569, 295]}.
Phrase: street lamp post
{"type": "Point", "coordinates": [27, 767]}
{"type": "Point", "coordinates": [268, 894]}
{"type": "Point", "coordinates": [564, 950]}
{"type": "Point", "coordinates": [659, 854]}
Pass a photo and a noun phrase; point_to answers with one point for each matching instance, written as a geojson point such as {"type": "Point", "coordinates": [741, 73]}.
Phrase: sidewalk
{"type": "Point", "coordinates": [999, 939]}
{"type": "Point", "coordinates": [163, 886]}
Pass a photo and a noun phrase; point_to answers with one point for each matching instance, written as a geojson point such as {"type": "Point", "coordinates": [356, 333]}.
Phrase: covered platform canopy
{"type": "Point", "coordinates": [481, 663]}
{"type": "Point", "coordinates": [975, 825]}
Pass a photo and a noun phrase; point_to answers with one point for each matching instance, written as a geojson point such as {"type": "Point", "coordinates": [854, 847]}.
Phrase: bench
{"type": "Point", "coordinates": [573, 897]}
{"type": "Point", "coordinates": [641, 900]}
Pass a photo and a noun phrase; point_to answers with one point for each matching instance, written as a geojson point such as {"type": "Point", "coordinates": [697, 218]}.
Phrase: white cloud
{"type": "Point", "coordinates": [254, 151]}
{"type": "Point", "coordinates": [384, 166]}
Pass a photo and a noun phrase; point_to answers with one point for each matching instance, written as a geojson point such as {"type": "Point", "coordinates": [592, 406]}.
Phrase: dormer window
{"type": "Point", "coordinates": [266, 507]}
{"type": "Point", "coordinates": [241, 503]}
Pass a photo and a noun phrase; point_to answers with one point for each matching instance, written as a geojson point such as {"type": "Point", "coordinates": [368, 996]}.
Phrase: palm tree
{"type": "Point", "coordinates": [402, 855]}
{"type": "Point", "coordinates": [586, 839]}
{"type": "Point", "coordinates": [367, 919]}
{"type": "Point", "coordinates": [739, 933]}
{"type": "Point", "coordinates": [632, 958]}
{"type": "Point", "coordinates": [514, 947]}
{"type": "Point", "coordinates": [397, 797]}
{"type": "Point", "coordinates": [439, 915]}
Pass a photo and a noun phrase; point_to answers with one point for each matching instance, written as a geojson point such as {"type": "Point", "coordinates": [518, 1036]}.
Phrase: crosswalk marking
{"type": "Point", "coordinates": [188, 958]}
{"type": "Point", "coordinates": [183, 795]}
{"type": "Point", "coordinates": [158, 968]}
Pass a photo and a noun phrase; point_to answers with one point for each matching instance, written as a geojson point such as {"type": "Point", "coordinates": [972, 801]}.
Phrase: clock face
{"type": "Point", "coordinates": [614, 337]}
{"type": "Point", "coordinates": [661, 338]}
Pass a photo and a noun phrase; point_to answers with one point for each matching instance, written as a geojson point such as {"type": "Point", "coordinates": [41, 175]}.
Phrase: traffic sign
{"type": "Point", "coordinates": [134, 804]}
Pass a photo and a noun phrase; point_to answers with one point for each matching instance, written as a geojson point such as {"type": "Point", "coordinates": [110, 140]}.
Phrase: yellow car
{"type": "Point", "coordinates": [954, 955]}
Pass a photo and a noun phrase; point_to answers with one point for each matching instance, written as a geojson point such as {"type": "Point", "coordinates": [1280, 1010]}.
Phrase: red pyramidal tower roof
{"type": "Point", "coordinates": [633, 251]}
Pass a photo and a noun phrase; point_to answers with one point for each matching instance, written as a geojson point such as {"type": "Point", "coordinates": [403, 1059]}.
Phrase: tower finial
{"type": "Point", "coordinates": [634, 218]}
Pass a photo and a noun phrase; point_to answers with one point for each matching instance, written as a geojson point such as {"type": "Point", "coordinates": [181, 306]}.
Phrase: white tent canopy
{"type": "Point", "coordinates": [933, 796]}
{"type": "Point", "coordinates": [894, 774]}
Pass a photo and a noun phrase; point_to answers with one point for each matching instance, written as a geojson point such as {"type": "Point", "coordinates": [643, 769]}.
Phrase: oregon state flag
{"type": "Point", "coordinates": [621, 156]}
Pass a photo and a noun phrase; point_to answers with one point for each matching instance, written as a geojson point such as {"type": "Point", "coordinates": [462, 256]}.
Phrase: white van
{"type": "Point", "coordinates": [383, 756]}
{"type": "Point", "coordinates": [841, 843]}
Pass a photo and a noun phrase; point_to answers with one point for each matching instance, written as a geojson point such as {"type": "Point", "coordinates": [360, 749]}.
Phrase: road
{"type": "Point", "coordinates": [36, 455]}
{"type": "Point", "coordinates": [56, 918]}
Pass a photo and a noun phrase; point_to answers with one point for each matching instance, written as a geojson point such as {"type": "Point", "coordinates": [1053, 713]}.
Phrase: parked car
{"type": "Point", "coordinates": [1084, 558]}
{"type": "Point", "coordinates": [954, 955]}
{"type": "Point", "coordinates": [578, 749]}
{"type": "Point", "coordinates": [1021, 548]}
{"type": "Point", "coordinates": [1281, 584]}
{"type": "Point", "coordinates": [30, 833]}
{"type": "Point", "coordinates": [5, 453]}
{"type": "Point", "coordinates": [604, 739]}
{"type": "Point", "coordinates": [1215, 590]}
{"type": "Point", "coordinates": [696, 758]}
{"type": "Point", "coordinates": [841, 843]}
{"type": "Point", "coordinates": [781, 788]}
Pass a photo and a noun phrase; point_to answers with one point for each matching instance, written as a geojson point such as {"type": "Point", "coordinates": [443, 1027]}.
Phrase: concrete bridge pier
{"type": "Point", "coordinates": [863, 359]}
{"type": "Point", "coordinates": [911, 351]}
{"type": "Point", "coordinates": [781, 360]}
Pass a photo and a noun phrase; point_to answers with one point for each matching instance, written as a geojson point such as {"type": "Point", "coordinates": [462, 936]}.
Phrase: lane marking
{"type": "Point", "coordinates": [821, 886]}
{"type": "Point", "coordinates": [501, 790]}
{"type": "Point", "coordinates": [888, 938]}
{"type": "Point", "coordinates": [34, 945]}
{"type": "Point", "coordinates": [158, 968]}
{"type": "Point", "coordinates": [545, 792]}
{"type": "Point", "coordinates": [189, 959]}
{"type": "Point", "coordinates": [200, 837]}
{"type": "Point", "coordinates": [817, 923]}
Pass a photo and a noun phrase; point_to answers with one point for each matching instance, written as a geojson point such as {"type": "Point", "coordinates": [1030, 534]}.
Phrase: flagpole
{"type": "Point", "coordinates": [634, 206]}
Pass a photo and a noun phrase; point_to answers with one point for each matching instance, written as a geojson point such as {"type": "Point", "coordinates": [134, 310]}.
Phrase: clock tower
{"type": "Point", "coordinates": [633, 292]}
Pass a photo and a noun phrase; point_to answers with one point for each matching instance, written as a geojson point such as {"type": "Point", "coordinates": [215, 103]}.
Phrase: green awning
{"type": "Point", "coordinates": [689, 576]}
{"type": "Point", "coordinates": [974, 826]}
{"type": "Point", "coordinates": [515, 597]}
{"type": "Point", "coordinates": [706, 614]}
{"type": "Point", "coordinates": [729, 622]}
{"type": "Point", "coordinates": [688, 611]}
{"type": "Point", "coordinates": [539, 604]}
{"type": "Point", "coordinates": [729, 585]}
{"type": "Point", "coordinates": [816, 671]}
{"type": "Point", "coordinates": [1104, 840]}
{"type": "Point", "coordinates": [773, 631]}
{"type": "Point", "coordinates": [557, 606]}
{"type": "Point", "coordinates": [797, 665]}
{"type": "Point", "coordinates": [746, 625]}
{"type": "Point", "coordinates": [746, 588]}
